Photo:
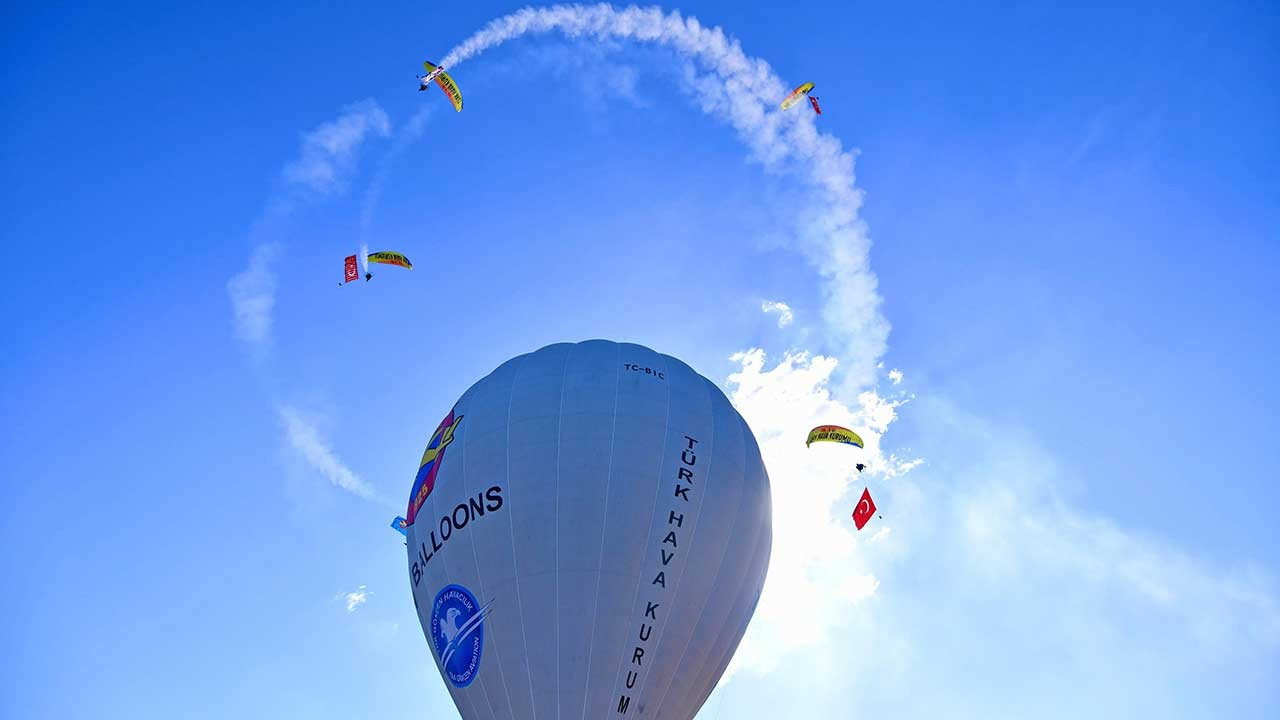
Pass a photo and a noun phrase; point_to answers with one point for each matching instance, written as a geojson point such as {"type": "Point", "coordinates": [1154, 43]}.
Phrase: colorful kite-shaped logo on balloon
{"type": "Point", "coordinates": [425, 481]}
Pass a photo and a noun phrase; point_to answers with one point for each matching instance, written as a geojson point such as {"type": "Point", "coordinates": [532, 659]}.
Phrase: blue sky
{"type": "Point", "coordinates": [1074, 240]}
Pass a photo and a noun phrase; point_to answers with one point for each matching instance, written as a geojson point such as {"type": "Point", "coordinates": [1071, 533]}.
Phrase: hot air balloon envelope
{"type": "Point", "coordinates": [592, 539]}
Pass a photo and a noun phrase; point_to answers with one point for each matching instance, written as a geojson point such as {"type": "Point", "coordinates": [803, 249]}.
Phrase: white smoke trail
{"type": "Point", "coordinates": [329, 151]}
{"type": "Point", "coordinates": [746, 91]}
{"type": "Point", "coordinates": [306, 440]}
{"type": "Point", "coordinates": [403, 139]}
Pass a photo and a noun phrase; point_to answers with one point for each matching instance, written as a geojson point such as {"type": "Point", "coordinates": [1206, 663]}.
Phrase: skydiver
{"type": "Point", "coordinates": [368, 276]}
{"type": "Point", "coordinates": [424, 81]}
{"type": "Point", "coordinates": [860, 467]}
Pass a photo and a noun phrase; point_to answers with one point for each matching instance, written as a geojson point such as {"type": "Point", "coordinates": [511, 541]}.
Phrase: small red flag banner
{"type": "Point", "coordinates": [353, 270]}
{"type": "Point", "coordinates": [866, 508]}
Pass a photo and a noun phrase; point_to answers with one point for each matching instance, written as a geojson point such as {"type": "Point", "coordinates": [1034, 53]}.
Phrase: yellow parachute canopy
{"type": "Point", "coordinates": [386, 257]}
{"type": "Point", "coordinates": [447, 84]}
{"type": "Point", "coordinates": [796, 95]}
{"type": "Point", "coordinates": [833, 433]}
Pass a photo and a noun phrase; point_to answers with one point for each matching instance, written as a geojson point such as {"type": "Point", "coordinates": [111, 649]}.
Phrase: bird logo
{"type": "Point", "coordinates": [457, 631]}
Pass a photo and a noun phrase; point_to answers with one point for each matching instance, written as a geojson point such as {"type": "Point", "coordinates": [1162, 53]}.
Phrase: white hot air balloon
{"type": "Point", "coordinates": [589, 534]}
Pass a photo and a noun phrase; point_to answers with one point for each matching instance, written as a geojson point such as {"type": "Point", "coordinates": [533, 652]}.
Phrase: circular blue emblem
{"type": "Point", "coordinates": [457, 632]}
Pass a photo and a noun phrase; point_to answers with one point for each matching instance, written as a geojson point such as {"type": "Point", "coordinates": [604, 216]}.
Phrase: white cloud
{"type": "Point", "coordinates": [979, 592]}
{"type": "Point", "coordinates": [329, 151]}
{"type": "Point", "coordinates": [815, 546]}
{"type": "Point", "coordinates": [253, 296]}
{"type": "Point", "coordinates": [895, 376]}
{"type": "Point", "coordinates": [785, 316]}
{"type": "Point", "coordinates": [1061, 609]}
{"type": "Point", "coordinates": [305, 439]}
{"type": "Point", "coordinates": [355, 598]}
{"type": "Point", "coordinates": [621, 80]}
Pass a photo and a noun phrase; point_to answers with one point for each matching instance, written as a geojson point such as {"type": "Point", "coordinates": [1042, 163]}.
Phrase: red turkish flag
{"type": "Point", "coordinates": [866, 508]}
{"type": "Point", "coordinates": [353, 271]}
{"type": "Point", "coordinates": [814, 102]}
